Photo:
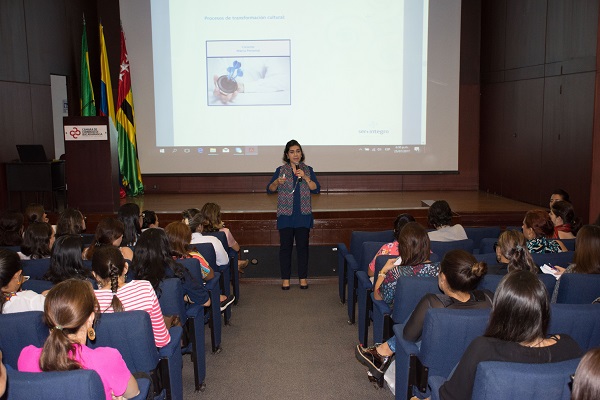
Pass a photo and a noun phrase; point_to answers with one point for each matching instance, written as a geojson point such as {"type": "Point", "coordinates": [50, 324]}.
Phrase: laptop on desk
{"type": "Point", "coordinates": [29, 153]}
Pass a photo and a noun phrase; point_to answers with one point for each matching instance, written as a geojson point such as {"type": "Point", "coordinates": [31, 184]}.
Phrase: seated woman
{"type": "Point", "coordinates": [586, 259]}
{"type": "Point", "coordinates": [439, 216]}
{"type": "Point", "coordinates": [179, 235]}
{"type": "Point", "coordinates": [69, 314]}
{"type": "Point", "coordinates": [131, 217]}
{"type": "Point", "coordinates": [586, 382]}
{"type": "Point", "coordinates": [115, 295]}
{"type": "Point", "coordinates": [517, 332]}
{"type": "Point", "coordinates": [391, 248]}
{"type": "Point", "coordinates": [66, 261]}
{"type": "Point", "coordinates": [460, 273]}
{"type": "Point", "coordinates": [512, 254]}
{"type": "Point", "coordinates": [188, 214]}
{"type": "Point", "coordinates": [566, 224]}
{"type": "Point", "coordinates": [538, 230]}
{"type": "Point", "coordinates": [197, 226]}
{"type": "Point", "coordinates": [213, 223]}
{"type": "Point", "coordinates": [37, 242]}
{"type": "Point", "coordinates": [11, 228]}
{"type": "Point", "coordinates": [414, 245]}
{"type": "Point", "coordinates": [109, 232]}
{"type": "Point", "coordinates": [12, 298]}
{"type": "Point", "coordinates": [150, 220]}
{"type": "Point", "coordinates": [35, 213]}
{"type": "Point", "coordinates": [152, 261]}
{"type": "Point", "coordinates": [70, 222]}
{"type": "Point", "coordinates": [559, 195]}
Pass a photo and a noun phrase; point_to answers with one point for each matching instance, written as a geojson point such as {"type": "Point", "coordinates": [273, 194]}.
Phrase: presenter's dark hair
{"type": "Point", "coordinates": [129, 214]}
{"type": "Point", "coordinates": [289, 144]}
{"type": "Point", "coordinates": [439, 214]}
{"type": "Point", "coordinates": [66, 261]}
{"type": "Point", "coordinates": [521, 309]}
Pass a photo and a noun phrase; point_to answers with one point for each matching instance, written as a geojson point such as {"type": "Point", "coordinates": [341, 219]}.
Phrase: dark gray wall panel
{"type": "Point", "coordinates": [16, 125]}
{"type": "Point", "coordinates": [525, 33]}
{"type": "Point", "coordinates": [13, 42]}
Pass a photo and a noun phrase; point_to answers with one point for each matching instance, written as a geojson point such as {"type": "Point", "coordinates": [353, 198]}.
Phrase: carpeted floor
{"type": "Point", "coordinates": [292, 344]}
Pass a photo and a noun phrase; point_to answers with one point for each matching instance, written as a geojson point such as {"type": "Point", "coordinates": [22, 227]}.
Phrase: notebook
{"type": "Point", "coordinates": [31, 153]}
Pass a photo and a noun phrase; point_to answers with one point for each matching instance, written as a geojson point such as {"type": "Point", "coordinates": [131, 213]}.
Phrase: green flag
{"type": "Point", "coordinates": [86, 98]}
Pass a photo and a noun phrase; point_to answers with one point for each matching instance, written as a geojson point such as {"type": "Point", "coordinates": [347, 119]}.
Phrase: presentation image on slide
{"type": "Point", "coordinates": [261, 78]}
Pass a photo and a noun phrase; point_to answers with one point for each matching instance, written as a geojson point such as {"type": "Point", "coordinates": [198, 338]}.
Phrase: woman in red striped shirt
{"type": "Point", "coordinates": [115, 295]}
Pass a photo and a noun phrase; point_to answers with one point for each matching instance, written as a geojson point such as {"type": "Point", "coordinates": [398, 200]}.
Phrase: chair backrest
{"type": "Point", "coordinates": [87, 238]}
{"type": "Point", "coordinates": [171, 298]}
{"type": "Point", "coordinates": [369, 249]}
{"type": "Point", "coordinates": [193, 266]}
{"type": "Point", "coordinates": [35, 269]}
{"type": "Point", "coordinates": [481, 232]}
{"type": "Point", "coordinates": [497, 380]}
{"type": "Point", "coordinates": [359, 237]}
{"type": "Point", "coordinates": [580, 321]}
{"type": "Point", "coordinates": [549, 281]}
{"type": "Point", "coordinates": [221, 236]}
{"type": "Point", "coordinates": [446, 335]}
{"type": "Point", "coordinates": [81, 384]}
{"type": "Point", "coordinates": [208, 252]}
{"type": "Point", "coordinates": [487, 245]}
{"type": "Point", "coordinates": [37, 285]}
{"type": "Point", "coordinates": [578, 288]}
{"type": "Point", "coordinates": [488, 258]}
{"type": "Point", "coordinates": [409, 291]}
{"type": "Point", "coordinates": [18, 330]}
{"type": "Point", "coordinates": [569, 244]}
{"type": "Point", "coordinates": [441, 248]}
{"type": "Point", "coordinates": [562, 259]}
{"type": "Point", "coordinates": [490, 282]}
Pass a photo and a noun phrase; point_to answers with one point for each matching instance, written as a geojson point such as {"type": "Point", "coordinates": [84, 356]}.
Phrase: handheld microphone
{"type": "Point", "coordinates": [299, 178]}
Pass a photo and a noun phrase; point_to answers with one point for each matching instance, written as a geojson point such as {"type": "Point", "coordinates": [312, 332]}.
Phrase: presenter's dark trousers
{"type": "Point", "coordinates": [286, 239]}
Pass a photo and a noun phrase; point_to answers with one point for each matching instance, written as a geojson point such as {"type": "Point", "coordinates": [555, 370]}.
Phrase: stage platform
{"type": "Point", "coordinates": [252, 216]}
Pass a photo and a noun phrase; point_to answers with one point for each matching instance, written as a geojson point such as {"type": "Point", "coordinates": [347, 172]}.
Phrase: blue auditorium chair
{"type": "Point", "coordinates": [441, 248]}
{"type": "Point", "coordinates": [477, 234]}
{"type": "Point", "coordinates": [578, 288]}
{"type": "Point", "coordinates": [495, 380]}
{"type": "Point", "coordinates": [488, 258]}
{"type": "Point", "coordinates": [18, 330]}
{"type": "Point", "coordinates": [569, 244]}
{"type": "Point", "coordinates": [37, 285]}
{"type": "Point", "coordinates": [446, 335]}
{"type": "Point", "coordinates": [488, 245]}
{"type": "Point", "coordinates": [233, 263]}
{"type": "Point", "coordinates": [562, 259]}
{"type": "Point", "coordinates": [580, 321]}
{"type": "Point", "coordinates": [356, 240]}
{"type": "Point", "coordinates": [131, 333]}
{"type": "Point", "coordinates": [35, 269]}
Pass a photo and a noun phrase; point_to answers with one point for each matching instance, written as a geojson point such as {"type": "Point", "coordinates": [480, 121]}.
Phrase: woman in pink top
{"type": "Point", "coordinates": [69, 312]}
{"type": "Point", "coordinates": [114, 295]}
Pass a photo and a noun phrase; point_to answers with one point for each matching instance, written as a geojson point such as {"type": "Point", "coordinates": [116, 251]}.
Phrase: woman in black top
{"type": "Point", "coordinates": [460, 273]}
{"type": "Point", "coordinates": [517, 332]}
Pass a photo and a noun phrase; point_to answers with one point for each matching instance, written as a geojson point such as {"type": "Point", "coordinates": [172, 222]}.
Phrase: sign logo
{"type": "Point", "coordinates": [75, 132]}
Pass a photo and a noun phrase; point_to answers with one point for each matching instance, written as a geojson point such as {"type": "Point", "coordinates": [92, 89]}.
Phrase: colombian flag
{"type": "Point", "coordinates": [128, 157]}
{"type": "Point", "coordinates": [107, 105]}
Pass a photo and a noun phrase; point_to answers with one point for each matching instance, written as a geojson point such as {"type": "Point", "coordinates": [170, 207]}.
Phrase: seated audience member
{"type": "Point", "coordinates": [538, 230]}
{"type": "Point", "coordinates": [152, 261]}
{"type": "Point", "coordinates": [559, 195]}
{"type": "Point", "coordinates": [586, 382]}
{"type": "Point", "coordinates": [37, 242]}
{"type": "Point", "coordinates": [391, 248]}
{"type": "Point", "coordinates": [109, 232]}
{"type": "Point", "coordinates": [11, 228]}
{"type": "Point", "coordinates": [460, 273]}
{"type": "Point", "coordinates": [66, 261]}
{"type": "Point", "coordinates": [512, 254]}
{"type": "Point", "coordinates": [196, 226]}
{"type": "Point", "coordinates": [414, 247]}
{"type": "Point", "coordinates": [69, 313]}
{"type": "Point", "coordinates": [13, 299]}
{"type": "Point", "coordinates": [586, 259]}
{"type": "Point", "coordinates": [440, 217]}
{"type": "Point", "coordinates": [213, 223]}
{"type": "Point", "coordinates": [70, 222]}
{"type": "Point", "coordinates": [115, 295]}
{"type": "Point", "coordinates": [35, 213]}
{"type": "Point", "coordinates": [179, 235]}
{"type": "Point", "coordinates": [150, 220]}
{"type": "Point", "coordinates": [131, 217]}
{"type": "Point", "coordinates": [566, 224]}
{"type": "Point", "coordinates": [188, 214]}
{"type": "Point", "coordinates": [517, 332]}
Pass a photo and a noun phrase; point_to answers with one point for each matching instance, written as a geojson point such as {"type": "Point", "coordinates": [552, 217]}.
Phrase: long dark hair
{"type": "Point", "coordinates": [70, 222]}
{"type": "Point", "coordinates": [400, 221]}
{"type": "Point", "coordinates": [11, 228]}
{"type": "Point", "coordinates": [587, 250]}
{"type": "Point", "coordinates": [540, 222]}
{"type": "Point", "coordinates": [289, 144]}
{"type": "Point", "coordinates": [179, 235]}
{"type": "Point", "coordinates": [566, 212]}
{"type": "Point", "coordinates": [586, 384]}
{"type": "Point", "coordinates": [66, 261]}
{"type": "Point", "coordinates": [129, 214]}
{"type": "Point", "coordinates": [212, 217]}
{"type": "Point", "coordinates": [34, 213]}
{"type": "Point", "coordinates": [513, 246]}
{"type": "Point", "coordinates": [413, 244]}
{"type": "Point", "coordinates": [462, 270]}
{"type": "Point", "coordinates": [107, 231]}
{"type": "Point", "coordinates": [521, 309]}
{"type": "Point", "coordinates": [10, 264]}
{"type": "Point", "coordinates": [67, 308]}
{"type": "Point", "coordinates": [108, 264]}
{"type": "Point", "coordinates": [149, 218]}
{"type": "Point", "coordinates": [439, 214]}
{"type": "Point", "coordinates": [36, 242]}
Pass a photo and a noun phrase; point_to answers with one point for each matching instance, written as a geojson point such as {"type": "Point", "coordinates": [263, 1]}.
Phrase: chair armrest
{"type": "Point", "coordinates": [381, 306]}
{"type": "Point", "coordinates": [174, 345]}
{"type": "Point", "coordinates": [342, 249]}
{"type": "Point", "coordinates": [351, 262]}
{"type": "Point", "coordinates": [407, 346]}
{"type": "Point", "coordinates": [213, 284]}
{"type": "Point", "coordinates": [435, 383]}
{"type": "Point", "coordinates": [195, 311]}
{"type": "Point", "coordinates": [364, 282]}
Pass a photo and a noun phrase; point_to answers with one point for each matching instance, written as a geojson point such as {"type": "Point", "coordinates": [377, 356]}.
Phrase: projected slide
{"type": "Point", "coordinates": [353, 82]}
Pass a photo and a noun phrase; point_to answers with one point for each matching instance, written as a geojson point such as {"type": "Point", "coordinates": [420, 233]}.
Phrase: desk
{"type": "Point", "coordinates": [37, 177]}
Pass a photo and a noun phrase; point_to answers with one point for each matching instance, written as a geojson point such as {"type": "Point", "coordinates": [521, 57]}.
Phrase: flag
{"type": "Point", "coordinates": [128, 158]}
{"type": "Point", "coordinates": [87, 103]}
{"type": "Point", "coordinates": [107, 105]}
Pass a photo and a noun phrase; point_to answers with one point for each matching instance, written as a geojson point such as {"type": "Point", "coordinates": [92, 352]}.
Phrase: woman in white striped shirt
{"type": "Point", "coordinates": [115, 295]}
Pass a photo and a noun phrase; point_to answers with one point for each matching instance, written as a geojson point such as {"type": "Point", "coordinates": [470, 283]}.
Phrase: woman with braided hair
{"type": "Point", "coordinates": [512, 254]}
{"type": "Point", "coordinates": [115, 295]}
{"type": "Point", "coordinates": [69, 313]}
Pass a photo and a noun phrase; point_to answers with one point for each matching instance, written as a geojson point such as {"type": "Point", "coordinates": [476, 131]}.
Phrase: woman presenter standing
{"type": "Point", "coordinates": [294, 182]}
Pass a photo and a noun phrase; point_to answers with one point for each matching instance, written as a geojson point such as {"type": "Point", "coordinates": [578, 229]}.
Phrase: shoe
{"type": "Point", "coordinates": [305, 286]}
{"type": "Point", "coordinates": [377, 363]}
{"type": "Point", "coordinates": [284, 286]}
{"type": "Point", "coordinates": [227, 302]}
